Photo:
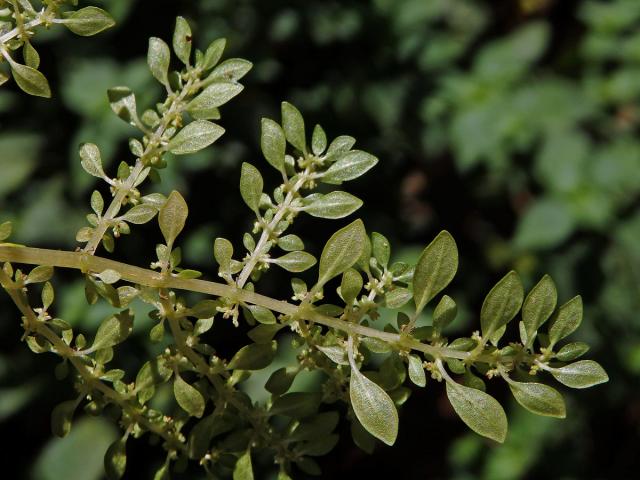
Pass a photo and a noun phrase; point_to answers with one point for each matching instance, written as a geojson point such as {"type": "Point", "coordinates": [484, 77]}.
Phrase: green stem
{"type": "Point", "coordinates": [89, 263]}
{"type": "Point", "coordinates": [67, 352]}
{"type": "Point", "coordinates": [204, 370]}
{"type": "Point", "coordinates": [124, 189]}
{"type": "Point", "coordinates": [261, 247]}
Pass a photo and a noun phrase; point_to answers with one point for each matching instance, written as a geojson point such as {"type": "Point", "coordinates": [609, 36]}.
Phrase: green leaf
{"type": "Point", "coordinates": [251, 185]}
{"type": "Point", "coordinates": [30, 80]}
{"type": "Point", "coordinates": [230, 70]}
{"type": "Point", "coordinates": [88, 21]}
{"type": "Point", "coordinates": [172, 217]}
{"type": "Point", "coordinates": [78, 456]}
{"type": "Point", "coordinates": [581, 374]}
{"type": "Point", "coordinates": [113, 330]}
{"type": "Point", "coordinates": [538, 398]}
{"type": "Point", "coordinates": [123, 103]}
{"type": "Point", "coordinates": [296, 404]}
{"type": "Point", "coordinates": [254, 357]}
{"type": "Point", "coordinates": [340, 145]}
{"type": "Point", "coordinates": [214, 95]}
{"type": "Point", "coordinates": [115, 459]}
{"type": "Point", "coordinates": [333, 205]}
{"type": "Point", "coordinates": [204, 309]}
{"type": "Point", "coordinates": [290, 243]}
{"type": "Point", "coordinates": [545, 224]}
{"type": "Point", "coordinates": [280, 381]}
{"type": "Point", "coordinates": [163, 473]}
{"type": "Point", "coordinates": [188, 397]}
{"type": "Point", "coordinates": [566, 320]}
{"type": "Point", "coordinates": [335, 353]}
{"type": "Point", "coordinates": [152, 373]}
{"type": "Point", "coordinates": [182, 40]}
{"type": "Point", "coordinates": [213, 53]}
{"type": "Point", "coordinates": [381, 248]}
{"type": "Point", "coordinates": [538, 307]}
{"type": "Point", "coordinates": [572, 351]}
{"type": "Point", "coordinates": [377, 345]}
{"type": "Point", "coordinates": [319, 425]}
{"type": "Point", "coordinates": [264, 333]}
{"type": "Point", "coordinates": [373, 407]}
{"type": "Point", "coordinates": [436, 267]}
{"type": "Point", "coordinates": [273, 143]}
{"type": "Point", "coordinates": [223, 252]}
{"type": "Point", "coordinates": [31, 55]}
{"type": "Point", "coordinates": [140, 214]}
{"type": "Point", "coordinates": [398, 297]}
{"type": "Point", "coordinates": [97, 202]}
{"type": "Point", "coordinates": [481, 412]}
{"type": "Point", "coordinates": [363, 439]}
{"type": "Point", "coordinates": [91, 161]}
{"type": "Point", "coordinates": [444, 313]}
{"type": "Point", "coordinates": [194, 137]}
{"type": "Point", "coordinates": [47, 295]}
{"type": "Point", "coordinates": [319, 446]}
{"type": "Point", "coordinates": [262, 314]}
{"type": "Point", "coordinates": [295, 261]}
{"type": "Point", "coordinates": [61, 418]}
{"type": "Point", "coordinates": [201, 434]}
{"type": "Point", "coordinates": [243, 469]}
{"type": "Point", "coordinates": [318, 140]}
{"type": "Point", "coordinates": [501, 304]}
{"type": "Point", "coordinates": [39, 274]}
{"type": "Point", "coordinates": [341, 251]}
{"type": "Point", "coordinates": [352, 165]}
{"type": "Point", "coordinates": [351, 285]}
{"type": "Point", "coordinates": [416, 371]}
{"type": "Point", "coordinates": [158, 59]}
{"type": "Point", "coordinates": [109, 276]}
{"type": "Point", "coordinates": [293, 125]}
{"type": "Point", "coordinates": [5, 230]}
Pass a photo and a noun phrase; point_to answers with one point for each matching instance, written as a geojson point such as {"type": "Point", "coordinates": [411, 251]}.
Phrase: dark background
{"type": "Point", "coordinates": [512, 124]}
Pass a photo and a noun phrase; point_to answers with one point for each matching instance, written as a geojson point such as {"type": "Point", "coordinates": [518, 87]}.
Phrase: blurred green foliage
{"type": "Point", "coordinates": [514, 124]}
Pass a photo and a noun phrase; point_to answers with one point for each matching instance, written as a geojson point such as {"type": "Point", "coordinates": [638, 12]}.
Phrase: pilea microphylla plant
{"type": "Point", "coordinates": [366, 370]}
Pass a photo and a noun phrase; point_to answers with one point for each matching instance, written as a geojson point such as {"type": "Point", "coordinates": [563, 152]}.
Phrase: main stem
{"type": "Point", "coordinates": [94, 264]}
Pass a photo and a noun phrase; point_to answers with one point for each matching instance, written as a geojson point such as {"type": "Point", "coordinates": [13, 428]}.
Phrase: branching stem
{"type": "Point", "coordinates": [89, 263]}
{"type": "Point", "coordinates": [67, 352]}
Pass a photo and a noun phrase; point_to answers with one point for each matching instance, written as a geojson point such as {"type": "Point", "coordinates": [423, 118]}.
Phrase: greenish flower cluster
{"type": "Point", "coordinates": [367, 371]}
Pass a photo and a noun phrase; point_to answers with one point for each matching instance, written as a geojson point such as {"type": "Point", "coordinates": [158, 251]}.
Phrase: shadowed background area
{"type": "Point", "coordinates": [513, 124]}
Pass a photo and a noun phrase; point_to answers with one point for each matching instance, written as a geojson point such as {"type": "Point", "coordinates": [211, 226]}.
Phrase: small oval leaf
{"type": "Point", "coordinates": [194, 137]}
{"type": "Point", "coordinates": [435, 269]}
{"type": "Point", "coordinates": [341, 251]}
{"type": "Point", "coordinates": [254, 357]}
{"type": "Point", "coordinates": [501, 304]}
{"type": "Point", "coordinates": [351, 166]}
{"type": "Point", "coordinates": [273, 143]}
{"type": "Point", "coordinates": [581, 374]}
{"type": "Point", "coordinates": [373, 407]}
{"type": "Point", "coordinates": [188, 397]}
{"type": "Point", "coordinates": [481, 412]}
{"type": "Point", "coordinates": [333, 205]}
{"type": "Point", "coordinates": [88, 21]}
{"type": "Point", "coordinates": [251, 185]}
{"type": "Point", "coordinates": [538, 306]}
{"type": "Point", "coordinates": [172, 217]}
{"type": "Point", "coordinates": [539, 398]}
